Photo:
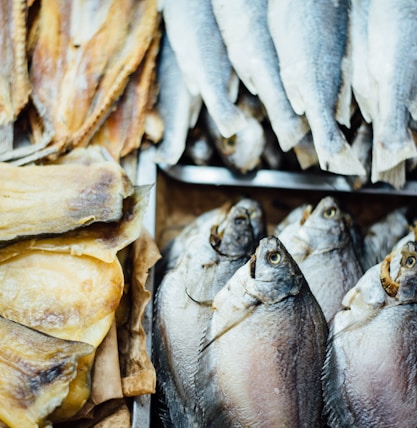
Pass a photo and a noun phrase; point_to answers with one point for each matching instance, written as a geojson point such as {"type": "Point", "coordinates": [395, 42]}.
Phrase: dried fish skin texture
{"type": "Point", "coordinates": [55, 198]}
{"type": "Point", "coordinates": [83, 57]}
{"type": "Point", "coordinates": [35, 370]}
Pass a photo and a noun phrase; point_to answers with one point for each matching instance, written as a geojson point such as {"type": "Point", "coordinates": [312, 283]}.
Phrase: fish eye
{"type": "Point", "coordinates": [274, 257]}
{"type": "Point", "coordinates": [329, 212]}
{"type": "Point", "coordinates": [240, 220]}
{"type": "Point", "coordinates": [410, 261]}
{"type": "Point", "coordinates": [229, 144]}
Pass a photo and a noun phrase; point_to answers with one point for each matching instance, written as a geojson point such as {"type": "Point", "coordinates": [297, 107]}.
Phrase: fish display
{"type": "Point", "coordinates": [251, 373]}
{"type": "Point", "coordinates": [324, 244]}
{"type": "Point", "coordinates": [369, 377]}
{"type": "Point", "coordinates": [182, 304]}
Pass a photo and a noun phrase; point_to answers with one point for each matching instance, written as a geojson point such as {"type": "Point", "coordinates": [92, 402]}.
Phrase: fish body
{"type": "Point", "coordinates": [325, 246]}
{"type": "Point", "coordinates": [370, 374]}
{"type": "Point", "coordinates": [392, 26]}
{"type": "Point", "coordinates": [177, 107]}
{"type": "Point", "coordinates": [310, 38]}
{"type": "Point", "coordinates": [183, 303]}
{"type": "Point", "coordinates": [253, 56]}
{"type": "Point", "coordinates": [251, 372]}
{"type": "Point", "coordinates": [196, 40]}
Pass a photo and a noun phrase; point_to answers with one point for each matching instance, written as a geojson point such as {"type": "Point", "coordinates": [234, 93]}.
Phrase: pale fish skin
{"type": "Point", "coordinates": [392, 29]}
{"type": "Point", "coordinates": [198, 45]}
{"type": "Point", "coordinates": [327, 250]}
{"type": "Point", "coordinates": [199, 149]}
{"type": "Point", "coordinates": [178, 108]}
{"type": "Point", "coordinates": [182, 306]}
{"type": "Point", "coordinates": [263, 351]}
{"type": "Point", "coordinates": [310, 38]}
{"type": "Point", "coordinates": [383, 235]}
{"type": "Point", "coordinates": [252, 53]}
{"type": "Point", "coordinates": [370, 374]}
{"type": "Point", "coordinates": [242, 151]}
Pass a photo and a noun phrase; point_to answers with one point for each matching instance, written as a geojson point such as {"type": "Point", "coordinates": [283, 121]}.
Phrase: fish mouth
{"type": "Point", "coordinates": [252, 266]}
{"type": "Point", "coordinates": [388, 284]}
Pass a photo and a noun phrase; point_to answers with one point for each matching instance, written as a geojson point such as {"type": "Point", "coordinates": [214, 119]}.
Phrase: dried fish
{"type": "Point", "coordinates": [36, 370]}
{"type": "Point", "coordinates": [182, 304]}
{"type": "Point", "coordinates": [250, 372]}
{"type": "Point", "coordinates": [369, 377]}
{"type": "Point", "coordinates": [309, 53]}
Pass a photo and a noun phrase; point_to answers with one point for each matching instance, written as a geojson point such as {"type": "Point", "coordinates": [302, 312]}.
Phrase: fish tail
{"type": "Point", "coordinates": [306, 153]}
{"type": "Point", "coordinates": [336, 155]}
{"type": "Point", "coordinates": [228, 119]}
{"type": "Point", "coordinates": [292, 133]}
{"type": "Point", "coordinates": [394, 176]}
{"type": "Point", "coordinates": [389, 150]}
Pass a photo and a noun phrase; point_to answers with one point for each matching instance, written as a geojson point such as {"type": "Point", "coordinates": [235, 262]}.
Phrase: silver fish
{"type": "Point", "coordinates": [292, 221]}
{"type": "Point", "coordinates": [392, 29]}
{"type": "Point", "coordinates": [201, 55]}
{"type": "Point", "coordinates": [182, 305]}
{"type": "Point", "coordinates": [327, 249]}
{"type": "Point", "coordinates": [310, 54]}
{"type": "Point", "coordinates": [370, 374]}
{"type": "Point", "coordinates": [199, 148]}
{"type": "Point", "coordinates": [178, 108]}
{"type": "Point", "coordinates": [253, 56]}
{"type": "Point", "coordinates": [383, 235]}
{"type": "Point", "coordinates": [263, 351]}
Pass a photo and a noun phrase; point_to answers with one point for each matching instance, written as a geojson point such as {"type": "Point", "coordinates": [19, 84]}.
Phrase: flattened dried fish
{"type": "Point", "coordinates": [36, 370]}
{"type": "Point", "coordinates": [253, 56]}
{"type": "Point", "coordinates": [310, 54]}
{"type": "Point", "coordinates": [196, 40]}
{"type": "Point", "coordinates": [14, 78]}
{"type": "Point", "coordinates": [52, 199]}
{"type": "Point", "coordinates": [182, 305]}
{"type": "Point", "coordinates": [250, 372]}
{"type": "Point", "coordinates": [370, 375]}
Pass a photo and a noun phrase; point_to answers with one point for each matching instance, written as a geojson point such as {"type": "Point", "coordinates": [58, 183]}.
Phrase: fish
{"type": "Point", "coordinates": [177, 106]}
{"type": "Point", "coordinates": [292, 221]}
{"type": "Point", "coordinates": [36, 370]}
{"type": "Point", "coordinates": [262, 353]}
{"type": "Point", "coordinates": [309, 53]}
{"type": "Point", "coordinates": [253, 55]}
{"type": "Point", "coordinates": [199, 148]}
{"type": "Point", "coordinates": [201, 55]}
{"type": "Point", "coordinates": [382, 236]}
{"type": "Point", "coordinates": [327, 249]}
{"type": "Point", "coordinates": [182, 305]}
{"type": "Point", "coordinates": [391, 32]}
{"type": "Point", "coordinates": [369, 376]}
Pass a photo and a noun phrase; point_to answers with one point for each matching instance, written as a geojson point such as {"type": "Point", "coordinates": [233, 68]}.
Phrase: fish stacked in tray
{"type": "Point", "coordinates": [332, 83]}
{"type": "Point", "coordinates": [311, 326]}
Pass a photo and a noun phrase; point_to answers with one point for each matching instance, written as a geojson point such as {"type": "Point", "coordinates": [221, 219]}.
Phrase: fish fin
{"type": "Point", "coordinates": [344, 101]}
{"type": "Point", "coordinates": [336, 155]}
{"type": "Point", "coordinates": [292, 134]}
{"type": "Point", "coordinates": [233, 89]}
{"type": "Point", "coordinates": [394, 176]}
{"type": "Point", "coordinates": [306, 153]}
{"type": "Point", "coordinates": [387, 156]}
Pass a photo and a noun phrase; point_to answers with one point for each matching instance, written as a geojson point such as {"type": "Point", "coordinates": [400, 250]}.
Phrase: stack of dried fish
{"type": "Point", "coordinates": [304, 74]}
{"type": "Point", "coordinates": [219, 357]}
{"type": "Point", "coordinates": [75, 74]}
{"type": "Point", "coordinates": [62, 282]}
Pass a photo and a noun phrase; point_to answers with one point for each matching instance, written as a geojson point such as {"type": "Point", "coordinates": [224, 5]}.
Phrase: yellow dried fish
{"type": "Point", "coordinates": [82, 60]}
{"type": "Point", "coordinates": [14, 79]}
{"type": "Point", "coordinates": [70, 286]}
{"type": "Point", "coordinates": [56, 198]}
{"type": "Point", "coordinates": [35, 371]}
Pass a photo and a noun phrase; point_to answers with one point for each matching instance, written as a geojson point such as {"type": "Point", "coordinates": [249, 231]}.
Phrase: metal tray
{"type": "Point", "coordinates": [214, 175]}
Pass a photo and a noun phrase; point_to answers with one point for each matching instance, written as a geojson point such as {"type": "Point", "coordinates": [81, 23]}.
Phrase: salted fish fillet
{"type": "Point", "coordinates": [202, 57]}
{"type": "Point", "coordinates": [178, 108]}
{"type": "Point", "coordinates": [83, 57]}
{"type": "Point", "coordinates": [14, 77]}
{"type": "Point", "coordinates": [252, 53]}
{"type": "Point", "coordinates": [36, 370]}
{"type": "Point", "coordinates": [392, 29]}
{"type": "Point", "coordinates": [311, 56]}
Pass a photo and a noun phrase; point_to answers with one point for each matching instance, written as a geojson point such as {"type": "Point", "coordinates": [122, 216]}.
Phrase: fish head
{"type": "Point", "coordinates": [233, 237]}
{"type": "Point", "coordinates": [256, 215]}
{"type": "Point", "coordinates": [276, 275]}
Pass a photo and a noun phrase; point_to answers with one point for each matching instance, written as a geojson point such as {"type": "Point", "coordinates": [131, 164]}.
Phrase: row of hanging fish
{"type": "Point", "coordinates": [311, 66]}
{"type": "Point", "coordinates": [312, 325]}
